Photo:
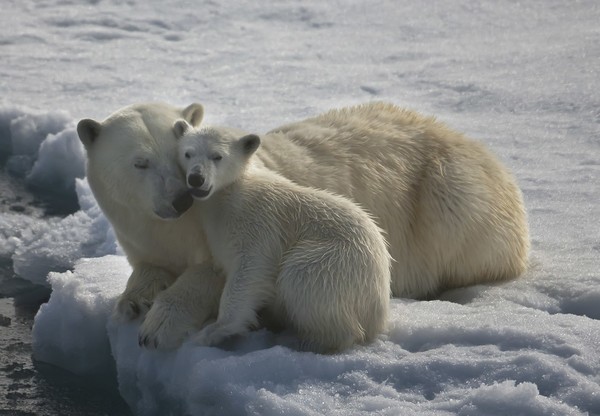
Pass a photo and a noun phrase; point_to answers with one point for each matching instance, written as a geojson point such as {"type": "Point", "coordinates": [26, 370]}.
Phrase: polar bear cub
{"type": "Point", "coordinates": [313, 261]}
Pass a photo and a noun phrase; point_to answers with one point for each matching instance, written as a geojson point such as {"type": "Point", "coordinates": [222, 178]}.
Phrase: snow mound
{"type": "Point", "coordinates": [479, 351]}
{"type": "Point", "coordinates": [22, 131]}
{"type": "Point", "coordinates": [60, 161]}
{"type": "Point", "coordinates": [43, 149]}
{"type": "Point", "coordinates": [70, 330]}
{"type": "Point", "coordinates": [38, 246]}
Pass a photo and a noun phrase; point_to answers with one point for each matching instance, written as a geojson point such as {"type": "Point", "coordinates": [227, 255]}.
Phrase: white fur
{"type": "Point", "coordinates": [452, 214]}
{"type": "Point", "coordinates": [313, 259]}
{"type": "Point", "coordinates": [133, 173]}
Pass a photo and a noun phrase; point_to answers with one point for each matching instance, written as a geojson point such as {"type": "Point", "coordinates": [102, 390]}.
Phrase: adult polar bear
{"type": "Point", "coordinates": [453, 215]}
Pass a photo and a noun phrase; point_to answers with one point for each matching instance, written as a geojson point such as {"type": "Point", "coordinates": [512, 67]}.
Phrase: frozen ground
{"type": "Point", "coordinates": [521, 76]}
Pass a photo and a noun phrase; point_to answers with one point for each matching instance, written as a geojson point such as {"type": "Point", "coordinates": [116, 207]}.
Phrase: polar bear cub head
{"type": "Point", "coordinates": [213, 157]}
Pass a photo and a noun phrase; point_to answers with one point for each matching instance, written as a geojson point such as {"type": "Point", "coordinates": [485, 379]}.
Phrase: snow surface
{"type": "Point", "coordinates": [521, 76]}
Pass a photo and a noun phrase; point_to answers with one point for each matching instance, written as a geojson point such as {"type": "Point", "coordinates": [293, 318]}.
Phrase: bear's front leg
{"type": "Point", "coordinates": [244, 294]}
{"type": "Point", "coordinates": [183, 308]}
{"type": "Point", "coordinates": [146, 281]}
{"type": "Point", "coordinates": [217, 332]}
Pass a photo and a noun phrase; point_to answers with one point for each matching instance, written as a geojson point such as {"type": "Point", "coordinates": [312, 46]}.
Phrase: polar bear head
{"type": "Point", "coordinates": [212, 157]}
{"type": "Point", "coordinates": [132, 161]}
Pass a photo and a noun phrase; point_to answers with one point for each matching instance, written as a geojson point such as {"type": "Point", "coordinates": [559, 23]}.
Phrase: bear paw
{"type": "Point", "coordinates": [165, 326]}
{"type": "Point", "coordinates": [129, 308]}
{"type": "Point", "coordinates": [215, 333]}
{"type": "Point", "coordinates": [143, 286]}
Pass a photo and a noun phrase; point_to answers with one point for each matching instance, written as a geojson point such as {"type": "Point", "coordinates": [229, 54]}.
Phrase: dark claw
{"type": "Point", "coordinates": [147, 343]}
{"type": "Point", "coordinates": [135, 308]}
{"type": "Point", "coordinates": [147, 304]}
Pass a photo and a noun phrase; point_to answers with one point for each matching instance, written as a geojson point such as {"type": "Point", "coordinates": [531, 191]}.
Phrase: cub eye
{"type": "Point", "coordinates": [141, 164]}
{"type": "Point", "coordinates": [216, 158]}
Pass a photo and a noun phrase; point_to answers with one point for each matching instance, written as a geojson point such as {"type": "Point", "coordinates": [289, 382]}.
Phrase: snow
{"type": "Point", "coordinates": [521, 76]}
{"type": "Point", "coordinates": [40, 245]}
{"type": "Point", "coordinates": [60, 161]}
{"type": "Point", "coordinates": [83, 304]}
{"type": "Point", "coordinates": [484, 350]}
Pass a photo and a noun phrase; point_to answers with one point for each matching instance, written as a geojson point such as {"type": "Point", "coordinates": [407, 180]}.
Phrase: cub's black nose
{"type": "Point", "coordinates": [195, 180]}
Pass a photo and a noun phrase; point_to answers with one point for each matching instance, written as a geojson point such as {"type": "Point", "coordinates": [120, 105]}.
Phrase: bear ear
{"type": "Point", "coordinates": [249, 143]}
{"type": "Point", "coordinates": [180, 127]}
{"type": "Point", "coordinates": [88, 131]}
{"type": "Point", "coordinates": [193, 114]}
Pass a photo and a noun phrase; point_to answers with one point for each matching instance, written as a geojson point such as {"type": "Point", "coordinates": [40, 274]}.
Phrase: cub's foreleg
{"type": "Point", "coordinates": [247, 289]}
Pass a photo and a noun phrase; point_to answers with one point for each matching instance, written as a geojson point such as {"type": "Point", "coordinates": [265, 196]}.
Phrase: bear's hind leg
{"type": "Point", "coordinates": [313, 286]}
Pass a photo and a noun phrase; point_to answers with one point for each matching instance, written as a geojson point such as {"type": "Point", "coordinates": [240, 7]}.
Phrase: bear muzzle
{"type": "Point", "coordinates": [183, 202]}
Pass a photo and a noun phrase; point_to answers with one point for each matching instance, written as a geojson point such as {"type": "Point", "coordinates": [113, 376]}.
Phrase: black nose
{"type": "Point", "coordinates": [183, 202]}
{"type": "Point", "coordinates": [195, 180]}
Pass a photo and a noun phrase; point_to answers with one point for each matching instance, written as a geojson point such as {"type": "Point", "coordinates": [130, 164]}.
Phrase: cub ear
{"type": "Point", "coordinates": [193, 114]}
{"type": "Point", "coordinates": [88, 131]}
{"type": "Point", "coordinates": [249, 143]}
{"type": "Point", "coordinates": [180, 127]}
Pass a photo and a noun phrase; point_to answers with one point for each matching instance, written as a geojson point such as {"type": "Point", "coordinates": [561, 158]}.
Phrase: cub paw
{"type": "Point", "coordinates": [215, 333]}
{"type": "Point", "coordinates": [165, 326]}
{"type": "Point", "coordinates": [130, 307]}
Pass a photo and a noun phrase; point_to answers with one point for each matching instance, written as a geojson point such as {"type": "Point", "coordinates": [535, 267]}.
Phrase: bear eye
{"type": "Point", "coordinates": [141, 164]}
{"type": "Point", "coordinates": [216, 158]}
